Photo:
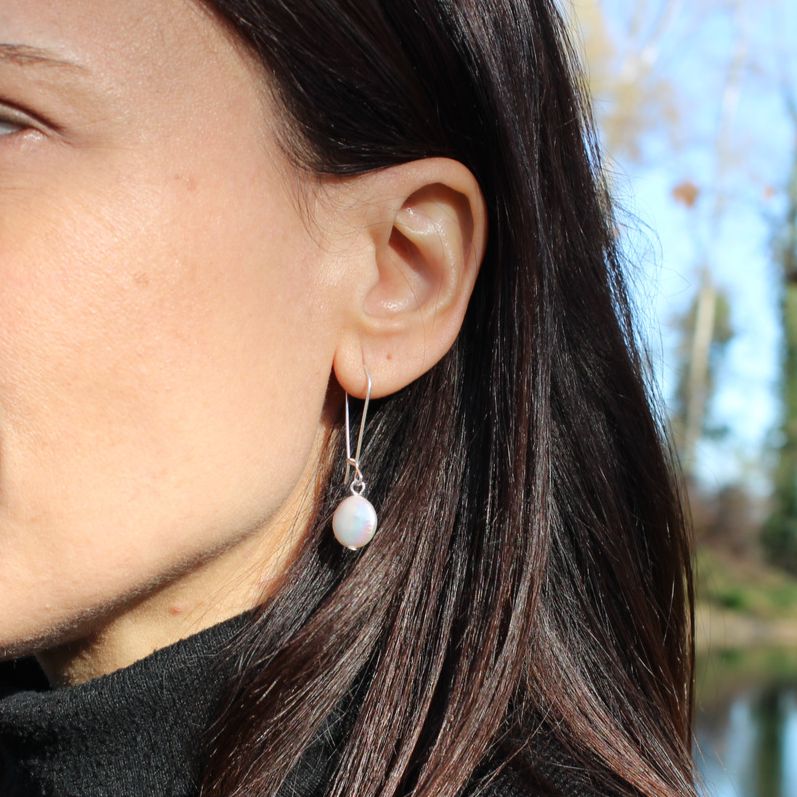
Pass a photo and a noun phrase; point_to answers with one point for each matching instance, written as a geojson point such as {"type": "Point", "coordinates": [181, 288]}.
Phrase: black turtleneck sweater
{"type": "Point", "coordinates": [133, 732]}
{"type": "Point", "coordinates": [129, 733]}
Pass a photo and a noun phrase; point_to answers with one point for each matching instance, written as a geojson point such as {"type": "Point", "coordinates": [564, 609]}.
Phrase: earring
{"type": "Point", "coordinates": [354, 520]}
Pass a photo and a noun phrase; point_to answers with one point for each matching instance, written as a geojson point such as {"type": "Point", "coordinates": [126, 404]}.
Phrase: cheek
{"type": "Point", "coordinates": [158, 363]}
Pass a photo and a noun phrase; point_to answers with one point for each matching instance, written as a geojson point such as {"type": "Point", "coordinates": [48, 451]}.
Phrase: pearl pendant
{"type": "Point", "coordinates": [354, 522]}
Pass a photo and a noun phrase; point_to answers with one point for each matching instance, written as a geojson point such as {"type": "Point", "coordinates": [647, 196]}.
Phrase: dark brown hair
{"type": "Point", "coordinates": [531, 574]}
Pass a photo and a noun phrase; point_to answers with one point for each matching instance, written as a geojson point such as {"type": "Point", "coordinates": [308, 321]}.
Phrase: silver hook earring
{"type": "Point", "coordinates": [354, 520]}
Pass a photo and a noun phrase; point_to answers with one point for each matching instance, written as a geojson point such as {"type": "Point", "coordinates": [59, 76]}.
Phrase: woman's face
{"type": "Point", "coordinates": [164, 350]}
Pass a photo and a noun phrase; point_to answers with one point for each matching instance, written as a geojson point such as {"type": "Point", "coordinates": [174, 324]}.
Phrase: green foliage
{"type": "Point", "coordinates": [784, 597]}
{"type": "Point", "coordinates": [734, 598]}
{"type": "Point", "coordinates": [743, 586]}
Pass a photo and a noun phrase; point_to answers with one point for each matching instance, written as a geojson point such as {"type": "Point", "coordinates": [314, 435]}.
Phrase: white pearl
{"type": "Point", "coordinates": [354, 522]}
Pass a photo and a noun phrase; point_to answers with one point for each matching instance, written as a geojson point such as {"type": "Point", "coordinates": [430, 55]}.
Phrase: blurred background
{"type": "Point", "coordinates": [696, 105]}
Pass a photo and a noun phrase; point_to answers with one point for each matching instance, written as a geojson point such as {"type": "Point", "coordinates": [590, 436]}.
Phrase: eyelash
{"type": "Point", "coordinates": [17, 119]}
{"type": "Point", "coordinates": [4, 122]}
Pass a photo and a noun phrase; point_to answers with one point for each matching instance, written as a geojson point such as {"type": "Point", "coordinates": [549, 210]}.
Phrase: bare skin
{"type": "Point", "coordinates": [175, 336]}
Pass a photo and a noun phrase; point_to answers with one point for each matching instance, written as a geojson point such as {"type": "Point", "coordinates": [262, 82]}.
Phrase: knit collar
{"type": "Point", "coordinates": [128, 733]}
{"type": "Point", "coordinates": [134, 731]}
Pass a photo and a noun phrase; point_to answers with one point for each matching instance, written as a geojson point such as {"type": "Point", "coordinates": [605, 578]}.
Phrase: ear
{"type": "Point", "coordinates": [420, 233]}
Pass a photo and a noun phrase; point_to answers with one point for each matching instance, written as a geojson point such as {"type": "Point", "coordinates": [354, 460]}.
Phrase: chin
{"type": "Point", "coordinates": [31, 631]}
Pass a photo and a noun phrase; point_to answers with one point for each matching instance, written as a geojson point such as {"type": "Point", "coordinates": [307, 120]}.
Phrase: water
{"type": "Point", "coordinates": [746, 723]}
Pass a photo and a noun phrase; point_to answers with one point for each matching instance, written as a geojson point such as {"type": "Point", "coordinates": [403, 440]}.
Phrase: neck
{"type": "Point", "coordinates": [239, 578]}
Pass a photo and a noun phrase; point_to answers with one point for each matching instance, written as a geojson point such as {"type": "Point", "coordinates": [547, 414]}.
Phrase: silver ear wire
{"type": "Point", "coordinates": [354, 521]}
{"type": "Point", "coordinates": [358, 480]}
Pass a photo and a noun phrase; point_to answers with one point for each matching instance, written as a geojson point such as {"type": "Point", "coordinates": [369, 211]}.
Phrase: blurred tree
{"type": "Point", "coordinates": [635, 100]}
{"type": "Point", "coordinates": [632, 97]}
{"type": "Point", "coordinates": [780, 530]}
{"type": "Point", "coordinates": [727, 518]}
{"type": "Point", "coordinates": [704, 331]}
{"type": "Point", "coordinates": [734, 525]}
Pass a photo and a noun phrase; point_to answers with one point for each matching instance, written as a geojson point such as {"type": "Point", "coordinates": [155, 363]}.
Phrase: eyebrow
{"type": "Point", "coordinates": [25, 55]}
